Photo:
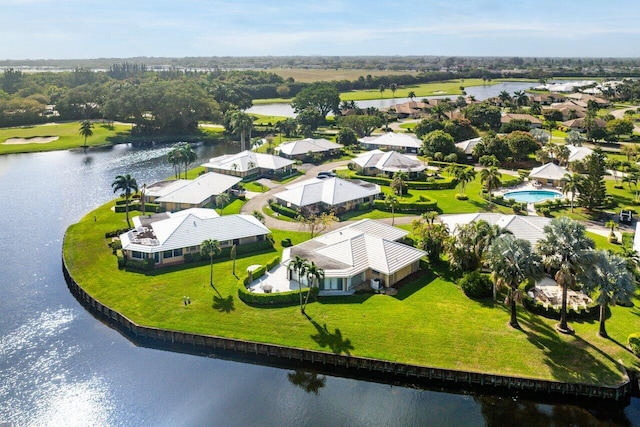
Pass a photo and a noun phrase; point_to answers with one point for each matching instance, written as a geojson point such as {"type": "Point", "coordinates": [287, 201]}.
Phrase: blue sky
{"type": "Point", "coordinates": [57, 29]}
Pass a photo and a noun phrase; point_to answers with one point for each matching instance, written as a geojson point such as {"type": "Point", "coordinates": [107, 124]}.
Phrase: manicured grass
{"type": "Point", "coordinates": [255, 187]}
{"type": "Point", "coordinates": [430, 322]}
{"type": "Point", "coordinates": [260, 119]}
{"type": "Point", "coordinates": [233, 207]}
{"type": "Point", "coordinates": [67, 133]}
{"type": "Point", "coordinates": [451, 87]}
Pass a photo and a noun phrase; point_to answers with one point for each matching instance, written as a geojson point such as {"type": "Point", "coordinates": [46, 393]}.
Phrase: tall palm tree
{"type": "Point", "coordinates": [411, 95]}
{"type": "Point", "coordinates": [504, 96]}
{"type": "Point", "coordinates": [241, 124]}
{"type": "Point", "coordinates": [521, 98]}
{"type": "Point", "coordinates": [188, 156]}
{"type": "Point", "coordinates": [210, 248]}
{"type": "Point", "coordinates": [86, 130]}
{"type": "Point", "coordinates": [174, 157]}
{"type": "Point", "coordinates": [392, 201]}
{"type": "Point", "coordinates": [511, 262]}
{"type": "Point", "coordinates": [463, 175]}
{"type": "Point", "coordinates": [128, 186]}
{"type": "Point", "coordinates": [222, 200]}
{"type": "Point", "coordinates": [563, 249]}
{"type": "Point", "coordinates": [382, 89]}
{"type": "Point", "coordinates": [314, 275]}
{"type": "Point", "coordinates": [393, 87]}
{"type": "Point", "coordinates": [608, 274]}
{"type": "Point", "coordinates": [571, 182]}
{"type": "Point", "coordinates": [398, 182]}
{"type": "Point", "coordinates": [299, 266]}
{"type": "Point", "coordinates": [491, 178]}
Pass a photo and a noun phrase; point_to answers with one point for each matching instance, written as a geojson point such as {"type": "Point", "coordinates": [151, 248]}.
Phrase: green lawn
{"type": "Point", "coordinates": [67, 133]}
{"type": "Point", "coordinates": [430, 322]}
{"type": "Point", "coordinates": [451, 87]}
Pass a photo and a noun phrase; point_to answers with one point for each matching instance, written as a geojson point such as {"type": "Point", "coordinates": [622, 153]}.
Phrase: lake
{"type": "Point", "coordinates": [479, 92]}
{"type": "Point", "coordinates": [60, 366]}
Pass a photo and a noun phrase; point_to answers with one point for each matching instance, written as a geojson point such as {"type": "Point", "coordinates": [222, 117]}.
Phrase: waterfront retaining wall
{"type": "Point", "coordinates": [347, 365]}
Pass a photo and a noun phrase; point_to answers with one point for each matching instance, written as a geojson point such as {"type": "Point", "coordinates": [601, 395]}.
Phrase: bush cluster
{"type": "Point", "coordinates": [590, 312]}
{"type": "Point", "coordinates": [430, 205]}
{"type": "Point", "coordinates": [476, 285]}
{"type": "Point", "coordinates": [634, 343]}
{"type": "Point", "coordinates": [283, 210]}
{"type": "Point", "coordinates": [429, 184]}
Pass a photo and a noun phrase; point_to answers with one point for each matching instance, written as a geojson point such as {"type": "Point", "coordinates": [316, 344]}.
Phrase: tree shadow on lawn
{"type": "Point", "coordinates": [334, 341]}
{"type": "Point", "coordinates": [357, 298]}
{"type": "Point", "coordinates": [413, 283]}
{"type": "Point", "coordinates": [223, 305]}
{"type": "Point", "coordinates": [568, 361]}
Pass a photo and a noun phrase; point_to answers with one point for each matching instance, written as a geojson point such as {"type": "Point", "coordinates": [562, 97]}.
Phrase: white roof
{"type": "Point", "coordinates": [548, 171]}
{"type": "Point", "coordinates": [202, 213]}
{"type": "Point", "coordinates": [162, 188]}
{"type": "Point", "coordinates": [636, 238]}
{"type": "Point", "coordinates": [366, 244]}
{"type": "Point", "coordinates": [182, 231]}
{"type": "Point", "coordinates": [578, 153]}
{"type": "Point", "coordinates": [467, 146]}
{"type": "Point", "coordinates": [391, 139]}
{"type": "Point", "coordinates": [390, 161]}
{"type": "Point", "coordinates": [529, 228]}
{"type": "Point", "coordinates": [201, 188]}
{"type": "Point", "coordinates": [331, 191]}
{"type": "Point", "coordinates": [303, 146]}
{"type": "Point", "coordinates": [240, 162]}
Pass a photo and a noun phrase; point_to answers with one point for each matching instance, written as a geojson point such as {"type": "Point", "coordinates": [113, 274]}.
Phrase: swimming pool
{"type": "Point", "coordinates": [532, 196]}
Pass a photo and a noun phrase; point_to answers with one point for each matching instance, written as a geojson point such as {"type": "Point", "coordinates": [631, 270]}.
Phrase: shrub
{"type": "Point", "coordinates": [590, 312]}
{"type": "Point", "coordinates": [460, 196]}
{"type": "Point", "coordinates": [517, 208]}
{"type": "Point", "coordinates": [285, 242]}
{"type": "Point", "coordinates": [283, 210]}
{"type": "Point", "coordinates": [115, 233]}
{"type": "Point", "coordinates": [274, 261]}
{"type": "Point", "coordinates": [476, 285]}
{"type": "Point", "coordinates": [115, 245]}
{"type": "Point", "coordinates": [634, 343]}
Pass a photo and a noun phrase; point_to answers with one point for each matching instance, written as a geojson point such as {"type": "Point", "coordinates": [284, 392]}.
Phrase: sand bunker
{"type": "Point", "coordinates": [34, 140]}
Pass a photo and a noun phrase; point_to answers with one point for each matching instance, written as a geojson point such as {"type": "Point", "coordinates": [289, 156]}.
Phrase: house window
{"type": "Point", "coordinates": [167, 254]}
{"type": "Point", "coordinates": [193, 249]}
{"type": "Point", "coordinates": [136, 254]}
{"type": "Point", "coordinates": [156, 257]}
{"type": "Point", "coordinates": [177, 252]}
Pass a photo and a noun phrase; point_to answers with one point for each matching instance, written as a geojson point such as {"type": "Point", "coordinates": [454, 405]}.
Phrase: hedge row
{"type": "Point", "coordinates": [135, 206]}
{"type": "Point", "coordinates": [442, 184]}
{"type": "Point", "coordinates": [430, 205]}
{"type": "Point", "coordinates": [283, 210]}
{"type": "Point", "coordinates": [588, 313]}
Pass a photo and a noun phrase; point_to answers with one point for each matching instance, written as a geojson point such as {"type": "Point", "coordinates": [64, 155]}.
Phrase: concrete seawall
{"type": "Point", "coordinates": [350, 366]}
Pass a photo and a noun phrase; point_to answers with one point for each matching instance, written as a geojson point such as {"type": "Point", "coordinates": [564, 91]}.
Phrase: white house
{"type": "Point", "coordinates": [529, 228]}
{"type": "Point", "coordinates": [578, 153]}
{"type": "Point", "coordinates": [167, 238]}
{"type": "Point", "coordinates": [548, 174]}
{"type": "Point", "coordinates": [376, 161]}
{"type": "Point", "coordinates": [367, 251]}
{"type": "Point", "coordinates": [468, 145]}
{"type": "Point", "coordinates": [338, 194]}
{"type": "Point", "coordinates": [301, 148]}
{"type": "Point", "coordinates": [392, 141]}
{"type": "Point", "coordinates": [249, 163]}
{"type": "Point", "coordinates": [184, 194]}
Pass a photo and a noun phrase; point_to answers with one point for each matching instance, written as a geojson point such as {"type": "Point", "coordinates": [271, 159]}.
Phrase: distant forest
{"type": "Point", "coordinates": [172, 95]}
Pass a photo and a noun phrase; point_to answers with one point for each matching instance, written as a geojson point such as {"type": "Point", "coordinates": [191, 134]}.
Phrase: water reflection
{"type": "Point", "coordinates": [309, 381]}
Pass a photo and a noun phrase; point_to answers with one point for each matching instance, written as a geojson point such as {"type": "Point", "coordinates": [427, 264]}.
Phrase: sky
{"type": "Point", "coordinates": [79, 29]}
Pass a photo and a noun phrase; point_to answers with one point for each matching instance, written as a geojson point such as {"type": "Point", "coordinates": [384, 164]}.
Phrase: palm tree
{"type": "Point", "coordinates": [463, 175]}
{"type": "Point", "coordinates": [314, 275]}
{"type": "Point", "coordinates": [174, 157]}
{"type": "Point", "coordinates": [411, 95]}
{"type": "Point", "coordinates": [521, 98]}
{"type": "Point", "coordinates": [504, 96]}
{"type": "Point", "coordinates": [86, 130]}
{"type": "Point", "coordinates": [609, 274]}
{"type": "Point", "coordinates": [128, 186]}
{"type": "Point", "coordinates": [222, 200]}
{"type": "Point", "coordinates": [398, 182]}
{"type": "Point", "coordinates": [392, 201]}
{"type": "Point", "coordinates": [210, 248]}
{"type": "Point", "coordinates": [241, 124]}
{"type": "Point", "coordinates": [563, 249]}
{"type": "Point", "coordinates": [299, 266]}
{"type": "Point", "coordinates": [491, 178]}
{"type": "Point", "coordinates": [511, 262]}
{"type": "Point", "coordinates": [382, 89]}
{"type": "Point", "coordinates": [393, 87]}
{"type": "Point", "coordinates": [188, 156]}
{"type": "Point", "coordinates": [571, 184]}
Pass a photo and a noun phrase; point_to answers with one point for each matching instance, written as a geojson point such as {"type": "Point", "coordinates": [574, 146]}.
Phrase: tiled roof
{"type": "Point", "coordinates": [240, 162]}
{"type": "Point", "coordinates": [548, 171]}
{"type": "Point", "coordinates": [201, 188]}
{"type": "Point", "coordinates": [190, 230]}
{"type": "Point", "coordinates": [391, 139]}
{"type": "Point", "coordinates": [529, 228]}
{"type": "Point", "coordinates": [331, 191]}
{"type": "Point", "coordinates": [303, 146]}
{"type": "Point", "coordinates": [390, 161]}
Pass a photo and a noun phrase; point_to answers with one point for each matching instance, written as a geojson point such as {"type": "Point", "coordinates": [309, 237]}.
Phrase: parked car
{"type": "Point", "coordinates": [323, 175]}
{"type": "Point", "coordinates": [626, 216]}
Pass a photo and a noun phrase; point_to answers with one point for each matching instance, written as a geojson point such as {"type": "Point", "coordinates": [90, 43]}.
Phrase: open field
{"type": "Point", "coordinates": [67, 133]}
{"type": "Point", "coordinates": [430, 322]}
{"type": "Point", "coordinates": [315, 75]}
